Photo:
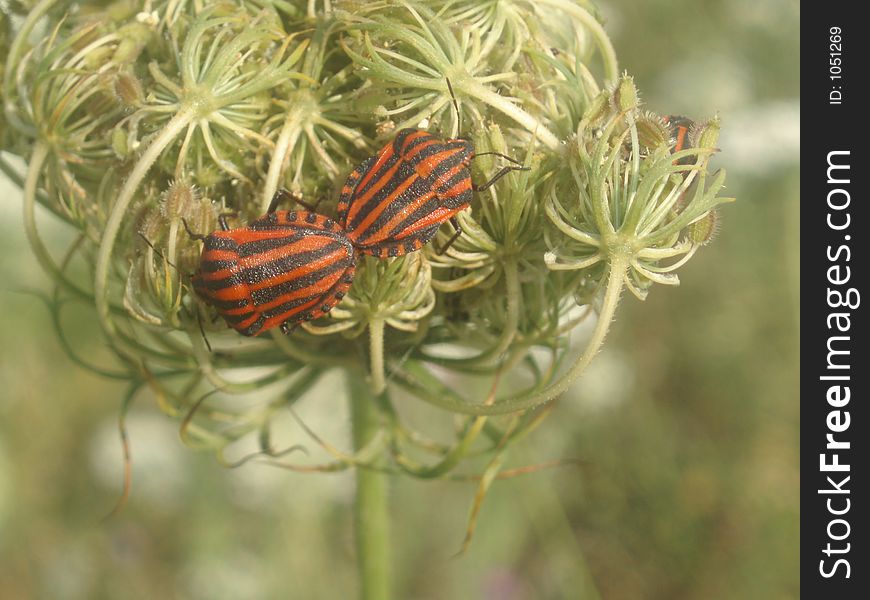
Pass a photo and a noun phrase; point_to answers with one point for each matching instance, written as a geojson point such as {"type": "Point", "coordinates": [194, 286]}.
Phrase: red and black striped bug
{"type": "Point", "coordinates": [680, 128]}
{"type": "Point", "coordinates": [281, 269]}
{"type": "Point", "coordinates": [394, 202]}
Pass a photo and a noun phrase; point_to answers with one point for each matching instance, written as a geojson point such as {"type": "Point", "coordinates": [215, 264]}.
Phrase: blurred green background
{"type": "Point", "coordinates": [688, 420]}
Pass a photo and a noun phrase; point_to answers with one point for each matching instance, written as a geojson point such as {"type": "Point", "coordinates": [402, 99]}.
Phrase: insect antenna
{"type": "Point", "coordinates": [158, 252]}
{"type": "Point", "coordinates": [161, 255]}
{"type": "Point", "coordinates": [455, 106]}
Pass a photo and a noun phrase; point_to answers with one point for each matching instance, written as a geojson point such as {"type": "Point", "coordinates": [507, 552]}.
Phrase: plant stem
{"type": "Point", "coordinates": [286, 141]}
{"type": "Point", "coordinates": [370, 514]}
{"type": "Point", "coordinates": [376, 355]}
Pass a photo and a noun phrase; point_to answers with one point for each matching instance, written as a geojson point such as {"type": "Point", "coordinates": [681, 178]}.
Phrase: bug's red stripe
{"type": "Point", "coordinates": [435, 165]}
{"type": "Point", "coordinates": [419, 148]}
{"type": "Point", "coordinates": [447, 177]}
{"type": "Point", "coordinates": [433, 218]}
{"type": "Point", "coordinates": [407, 138]}
{"type": "Point", "coordinates": [462, 187]}
{"type": "Point", "coordinates": [682, 130]}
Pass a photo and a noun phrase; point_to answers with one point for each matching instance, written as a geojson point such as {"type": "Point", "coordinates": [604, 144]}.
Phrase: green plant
{"type": "Point", "coordinates": [135, 116]}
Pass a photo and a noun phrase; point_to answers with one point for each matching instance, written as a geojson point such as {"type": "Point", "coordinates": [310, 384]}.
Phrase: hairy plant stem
{"type": "Point", "coordinates": [286, 140]}
{"type": "Point", "coordinates": [618, 267]}
{"type": "Point", "coordinates": [376, 355]}
{"type": "Point", "coordinates": [371, 513]}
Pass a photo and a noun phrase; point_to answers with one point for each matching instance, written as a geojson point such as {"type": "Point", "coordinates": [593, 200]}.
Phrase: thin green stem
{"type": "Point", "coordinates": [371, 514]}
{"type": "Point", "coordinates": [376, 355]}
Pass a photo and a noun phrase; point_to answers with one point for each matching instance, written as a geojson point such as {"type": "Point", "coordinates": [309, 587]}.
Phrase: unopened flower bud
{"type": "Point", "coordinates": [179, 200]}
{"type": "Point", "coordinates": [706, 134]}
{"type": "Point", "coordinates": [704, 229]}
{"type": "Point", "coordinates": [119, 143]}
{"type": "Point", "coordinates": [128, 90]}
{"type": "Point", "coordinates": [652, 132]}
{"type": "Point", "coordinates": [152, 226]}
{"type": "Point", "coordinates": [625, 96]}
{"type": "Point", "coordinates": [134, 37]}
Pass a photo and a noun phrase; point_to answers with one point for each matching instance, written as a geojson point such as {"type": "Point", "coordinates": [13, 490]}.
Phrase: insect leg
{"type": "Point", "coordinates": [453, 238]}
{"type": "Point", "coordinates": [501, 173]}
{"type": "Point", "coordinates": [222, 219]}
{"type": "Point", "coordinates": [280, 196]}
{"type": "Point", "coordinates": [193, 235]}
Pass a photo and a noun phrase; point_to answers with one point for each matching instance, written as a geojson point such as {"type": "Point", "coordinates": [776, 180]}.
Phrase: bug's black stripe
{"type": "Point", "coordinates": [228, 304]}
{"type": "Point", "coordinates": [288, 262]}
{"type": "Point", "coordinates": [461, 152]}
{"type": "Point", "coordinates": [270, 294]}
{"type": "Point", "coordinates": [254, 327]}
{"type": "Point", "coordinates": [249, 249]}
{"type": "Point", "coordinates": [214, 242]}
{"type": "Point", "coordinates": [402, 146]}
{"type": "Point", "coordinates": [292, 306]}
{"type": "Point", "coordinates": [290, 227]}
{"type": "Point", "coordinates": [238, 318]}
{"type": "Point", "coordinates": [402, 137]}
{"type": "Point", "coordinates": [348, 190]}
{"type": "Point", "coordinates": [224, 282]}
{"type": "Point", "coordinates": [415, 155]}
{"type": "Point", "coordinates": [212, 266]}
{"type": "Point", "coordinates": [454, 200]}
{"type": "Point", "coordinates": [447, 164]}
{"type": "Point", "coordinates": [453, 181]}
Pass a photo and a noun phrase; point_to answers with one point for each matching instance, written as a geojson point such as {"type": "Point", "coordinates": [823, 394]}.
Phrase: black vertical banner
{"type": "Point", "coordinates": [835, 105]}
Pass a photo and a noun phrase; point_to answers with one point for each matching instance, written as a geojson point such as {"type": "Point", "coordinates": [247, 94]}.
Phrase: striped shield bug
{"type": "Point", "coordinates": [394, 202]}
{"type": "Point", "coordinates": [281, 269]}
{"type": "Point", "coordinates": [680, 128]}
